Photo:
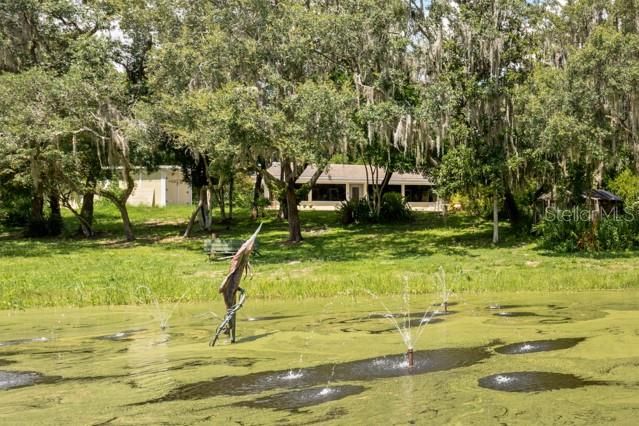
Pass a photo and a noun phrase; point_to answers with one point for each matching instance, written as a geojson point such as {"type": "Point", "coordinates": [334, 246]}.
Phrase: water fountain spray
{"type": "Point", "coordinates": [441, 278]}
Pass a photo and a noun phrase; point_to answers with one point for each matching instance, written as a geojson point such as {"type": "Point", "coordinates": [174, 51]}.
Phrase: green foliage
{"type": "Point", "coordinates": [14, 207]}
{"type": "Point", "coordinates": [456, 173]}
{"type": "Point", "coordinates": [243, 187]}
{"type": "Point", "coordinates": [493, 98]}
{"type": "Point", "coordinates": [626, 185]}
{"type": "Point", "coordinates": [395, 209]}
{"type": "Point", "coordinates": [567, 231]}
{"type": "Point", "coordinates": [617, 234]}
{"type": "Point", "coordinates": [573, 230]}
{"type": "Point", "coordinates": [15, 195]}
{"type": "Point", "coordinates": [355, 211]}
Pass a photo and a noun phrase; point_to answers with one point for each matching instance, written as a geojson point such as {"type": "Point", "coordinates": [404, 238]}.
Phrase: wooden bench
{"type": "Point", "coordinates": [224, 249]}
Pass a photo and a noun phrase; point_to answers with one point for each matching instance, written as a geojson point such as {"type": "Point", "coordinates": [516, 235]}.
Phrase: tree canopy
{"type": "Point", "coordinates": [498, 100]}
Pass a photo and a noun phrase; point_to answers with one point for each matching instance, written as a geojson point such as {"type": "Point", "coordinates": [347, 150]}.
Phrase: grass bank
{"type": "Point", "coordinates": [333, 261]}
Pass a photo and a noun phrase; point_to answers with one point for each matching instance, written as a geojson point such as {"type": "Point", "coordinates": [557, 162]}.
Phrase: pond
{"type": "Point", "coordinates": [493, 358]}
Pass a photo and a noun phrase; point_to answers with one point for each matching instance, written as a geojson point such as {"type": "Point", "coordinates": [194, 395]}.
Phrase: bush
{"type": "Point", "coordinates": [14, 210]}
{"type": "Point", "coordinates": [572, 230]}
{"type": "Point", "coordinates": [566, 230]}
{"type": "Point", "coordinates": [394, 208]}
{"type": "Point", "coordinates": [620, 233]}
{"type": "Point", "coordinates": [355, 211]}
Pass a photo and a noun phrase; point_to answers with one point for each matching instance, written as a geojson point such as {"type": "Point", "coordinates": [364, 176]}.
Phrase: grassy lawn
{"type": "Point", "coordinates": [333, 260]}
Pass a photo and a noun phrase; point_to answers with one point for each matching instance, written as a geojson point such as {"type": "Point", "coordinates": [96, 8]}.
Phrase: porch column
{"type": "Point", "coordinates": [403, 190]}
{"type": "Point", "coordinates": [348, 191]}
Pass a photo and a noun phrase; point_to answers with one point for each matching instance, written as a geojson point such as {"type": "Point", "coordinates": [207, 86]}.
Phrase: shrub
{"type": "Point", "coordinates": [394, 208]}
{"type": "Point", "coordinates": [572, 230]}
{"type": "Point", "coordinates": [14, 210]}
{"type": "Point", "coordinates": [355, 211]}
{"type": "Point", "coordinates": [626, 185]}
{"type": "Point", "coordinates": [566, 230]}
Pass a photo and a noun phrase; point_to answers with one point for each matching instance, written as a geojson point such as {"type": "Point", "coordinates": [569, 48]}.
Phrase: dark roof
{"type": "Point", "coordinates": [602, 194]}
{"type": "Point", "coordinates": [593, 194]}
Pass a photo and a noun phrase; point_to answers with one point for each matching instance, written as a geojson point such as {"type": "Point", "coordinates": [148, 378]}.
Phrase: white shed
{"type": "Point", "coordinates": [160, 188]}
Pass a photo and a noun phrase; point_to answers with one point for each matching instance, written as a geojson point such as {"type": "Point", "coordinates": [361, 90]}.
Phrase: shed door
{"type": "Point", "coordinates": [173, 191]}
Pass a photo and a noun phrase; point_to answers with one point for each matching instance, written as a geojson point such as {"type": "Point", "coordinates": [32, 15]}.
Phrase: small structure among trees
{"type": "Point", "coordinates": [599, 201]}
{"type": "Point", "coordinates": [603, 202]}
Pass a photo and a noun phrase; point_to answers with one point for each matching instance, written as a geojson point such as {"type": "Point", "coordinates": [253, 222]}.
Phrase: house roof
{"type": "Point", "coordinates": [352, 173]}
{"type": "Point", "coordinates": [593, 194]}
{"type": "Point", "coordinates": [602, 194]}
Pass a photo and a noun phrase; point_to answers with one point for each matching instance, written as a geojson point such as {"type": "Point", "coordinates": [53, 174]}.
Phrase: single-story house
{"type": "Point", "coordinates": [160, 188]}
{"type": "Point", "coordinates": [342, 182]}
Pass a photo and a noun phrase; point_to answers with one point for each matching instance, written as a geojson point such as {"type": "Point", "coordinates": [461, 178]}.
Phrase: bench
{"type": "Point", "coordinates": [223, 249]}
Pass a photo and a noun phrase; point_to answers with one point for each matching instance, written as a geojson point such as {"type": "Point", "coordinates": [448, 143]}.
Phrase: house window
{"type": "Point", "coordinates": [393, 188]}
{"type": "Point", "coordinates": [419, 193]}
{"type": "Point", "coordinates": [329, 193]}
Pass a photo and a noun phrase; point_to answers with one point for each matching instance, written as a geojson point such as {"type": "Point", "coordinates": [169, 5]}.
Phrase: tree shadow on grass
{"type": "Point", "coordinates": [325, 238]}
{"type": "Point", "coordinates": [597, 255]}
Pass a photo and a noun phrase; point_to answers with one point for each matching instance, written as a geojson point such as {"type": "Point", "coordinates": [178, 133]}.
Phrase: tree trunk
{"type": "Point", "coordinates": [219, 194]}
{"type": "Point", "coordinates": [511, 209]}
{"type": "Point", "coordinates": [54, 222]}
{"type": "Point", "coordinates": [207, 207]}
{"type": "Point", "coordinates": [85, 228]}
{"type": "Point", "coordinates": [189, 227]}
{"type": "Point", "coordinates": [283, 211]}
{"type": "Point", "coordinates": [294, 226]}
{"type": "Point", "coordinates": [86, 214]}
{"type": "Point", "coordinates": [126, 222]}
{"type": "Point", "coordinates": [37, 226]}
{"type": "Point", "coordinates": [231, 182]}
{"type": "Point", "coordinates": [202, 210]}
{"type": "Point", "coordinates": [255, 212]}
{"type": "Point", "coordinates": [282, 214]}
{"type": "Point", "coordinates": [495, 219]}
{"type": "Point", "coordinates": [379, 192]}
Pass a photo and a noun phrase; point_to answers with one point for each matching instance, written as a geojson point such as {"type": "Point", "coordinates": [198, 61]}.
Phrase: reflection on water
{"type": "Point", "coordinates": [516, 314]}
{"type": "Point", "coordinates": [18, 379]}
{"type": "Point", "coordinates": [297, 399]}
{"type": "Point", "coordinates": [361, 370]}
{"type": "Point", "coordinates": [533, 381]}
{"type": "Point", "coordinates": [539, 346]}
{"type": "Point", "coordinates": [121, 335]}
